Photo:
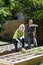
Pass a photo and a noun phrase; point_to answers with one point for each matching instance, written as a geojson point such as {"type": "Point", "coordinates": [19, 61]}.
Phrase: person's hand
{"type": "Point", "coordinates": [21, 37]}
{"type": "Point", "coordinates": [17, 40]}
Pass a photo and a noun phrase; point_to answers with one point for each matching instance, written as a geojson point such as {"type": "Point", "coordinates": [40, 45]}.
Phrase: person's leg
{"type": "Point", "coordinates": [22, 41]}
{"type": "Point", "coordinates": [15, 44]}
{"type": "Point", "coordinates": [35, 42]}
{"type": "Point", "coordinates": [29, 42]}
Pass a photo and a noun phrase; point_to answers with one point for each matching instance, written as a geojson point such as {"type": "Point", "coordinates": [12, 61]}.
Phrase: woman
{"type": "Point", "coordinates": [19, 36]}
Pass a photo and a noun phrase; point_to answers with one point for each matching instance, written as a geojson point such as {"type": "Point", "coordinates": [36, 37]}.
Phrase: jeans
{"type": "Point", "coordinates": [15, 43]}
{"type": "Point", "coordinates": [32, 41]}
{"type": "Point", "coordinates": [21, 41]}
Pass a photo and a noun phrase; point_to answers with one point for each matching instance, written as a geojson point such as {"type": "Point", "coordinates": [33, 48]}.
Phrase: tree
{"type": "Point", "coordinates": [31, 8]}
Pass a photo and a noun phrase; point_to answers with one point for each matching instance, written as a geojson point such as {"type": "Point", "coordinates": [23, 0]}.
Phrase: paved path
{"type": "Point", "coordinates": [18, 57]}
{"type": "Point", "coordinates": [5, 46]}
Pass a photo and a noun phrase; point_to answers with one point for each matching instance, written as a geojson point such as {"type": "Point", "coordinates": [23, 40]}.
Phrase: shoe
{"type": "Point", "coordinates": [23, 50]}
{"type": "Point", "coordinates": [16, 50]}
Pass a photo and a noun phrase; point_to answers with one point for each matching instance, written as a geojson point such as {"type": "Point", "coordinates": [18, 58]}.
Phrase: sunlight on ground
{"type": "Point", "coordinates": [3, 42]}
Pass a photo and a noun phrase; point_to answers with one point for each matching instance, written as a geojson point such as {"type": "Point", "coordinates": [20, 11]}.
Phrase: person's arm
{"type": "Point", "coordinates": [15, 36]}
{"type": "Point", "coordinates": [34, 32]}
{"type": "Point", "coordinates": [23, 34]}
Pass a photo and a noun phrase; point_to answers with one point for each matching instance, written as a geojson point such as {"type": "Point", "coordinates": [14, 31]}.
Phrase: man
{"type": "Point", "coordinates": [31, 34]}
{"type": "Point", "coordinates": [19, 36]}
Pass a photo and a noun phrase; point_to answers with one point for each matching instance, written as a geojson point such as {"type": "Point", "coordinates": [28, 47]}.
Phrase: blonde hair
{"type": "Point", "coordinates": [22, 26]}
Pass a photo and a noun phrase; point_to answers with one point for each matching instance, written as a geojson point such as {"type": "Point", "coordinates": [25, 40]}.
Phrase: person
{"type": "Point", "coordinates": [19, 36]}
{"type": "Point", "coordinates": [31, 34]}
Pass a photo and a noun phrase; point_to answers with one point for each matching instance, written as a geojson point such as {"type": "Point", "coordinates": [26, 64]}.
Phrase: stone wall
{"type": "Point", "coordinates": [10, 28]}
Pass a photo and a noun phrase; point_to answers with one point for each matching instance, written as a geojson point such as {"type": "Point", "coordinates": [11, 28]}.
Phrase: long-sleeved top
{"type": "Point", "coordinates": [18, 34]}
{"type": "Point", "coordinates": [29, 31]}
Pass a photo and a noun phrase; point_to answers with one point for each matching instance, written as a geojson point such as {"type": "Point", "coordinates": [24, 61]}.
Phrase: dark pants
{"type": "Point", "coordinates": [22, 41]}
{"type": "Point", "coordinates": [15, 43]}
{"type": "Point", "coordinates": [32, 41]}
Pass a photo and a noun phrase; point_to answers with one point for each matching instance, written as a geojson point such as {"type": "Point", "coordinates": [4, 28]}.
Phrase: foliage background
{"type": "Point", "coordinates": [32, 9]}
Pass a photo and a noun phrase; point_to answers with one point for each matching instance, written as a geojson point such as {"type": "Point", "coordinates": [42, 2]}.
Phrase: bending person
{"type": "Point", "coordinates": [19, 36]}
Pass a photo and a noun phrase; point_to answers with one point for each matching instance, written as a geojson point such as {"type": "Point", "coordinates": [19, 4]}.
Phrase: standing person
{"type": "Point", "coordinates": [19, 36]}
{"type": "Point", "coordinates": [31, 34]}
